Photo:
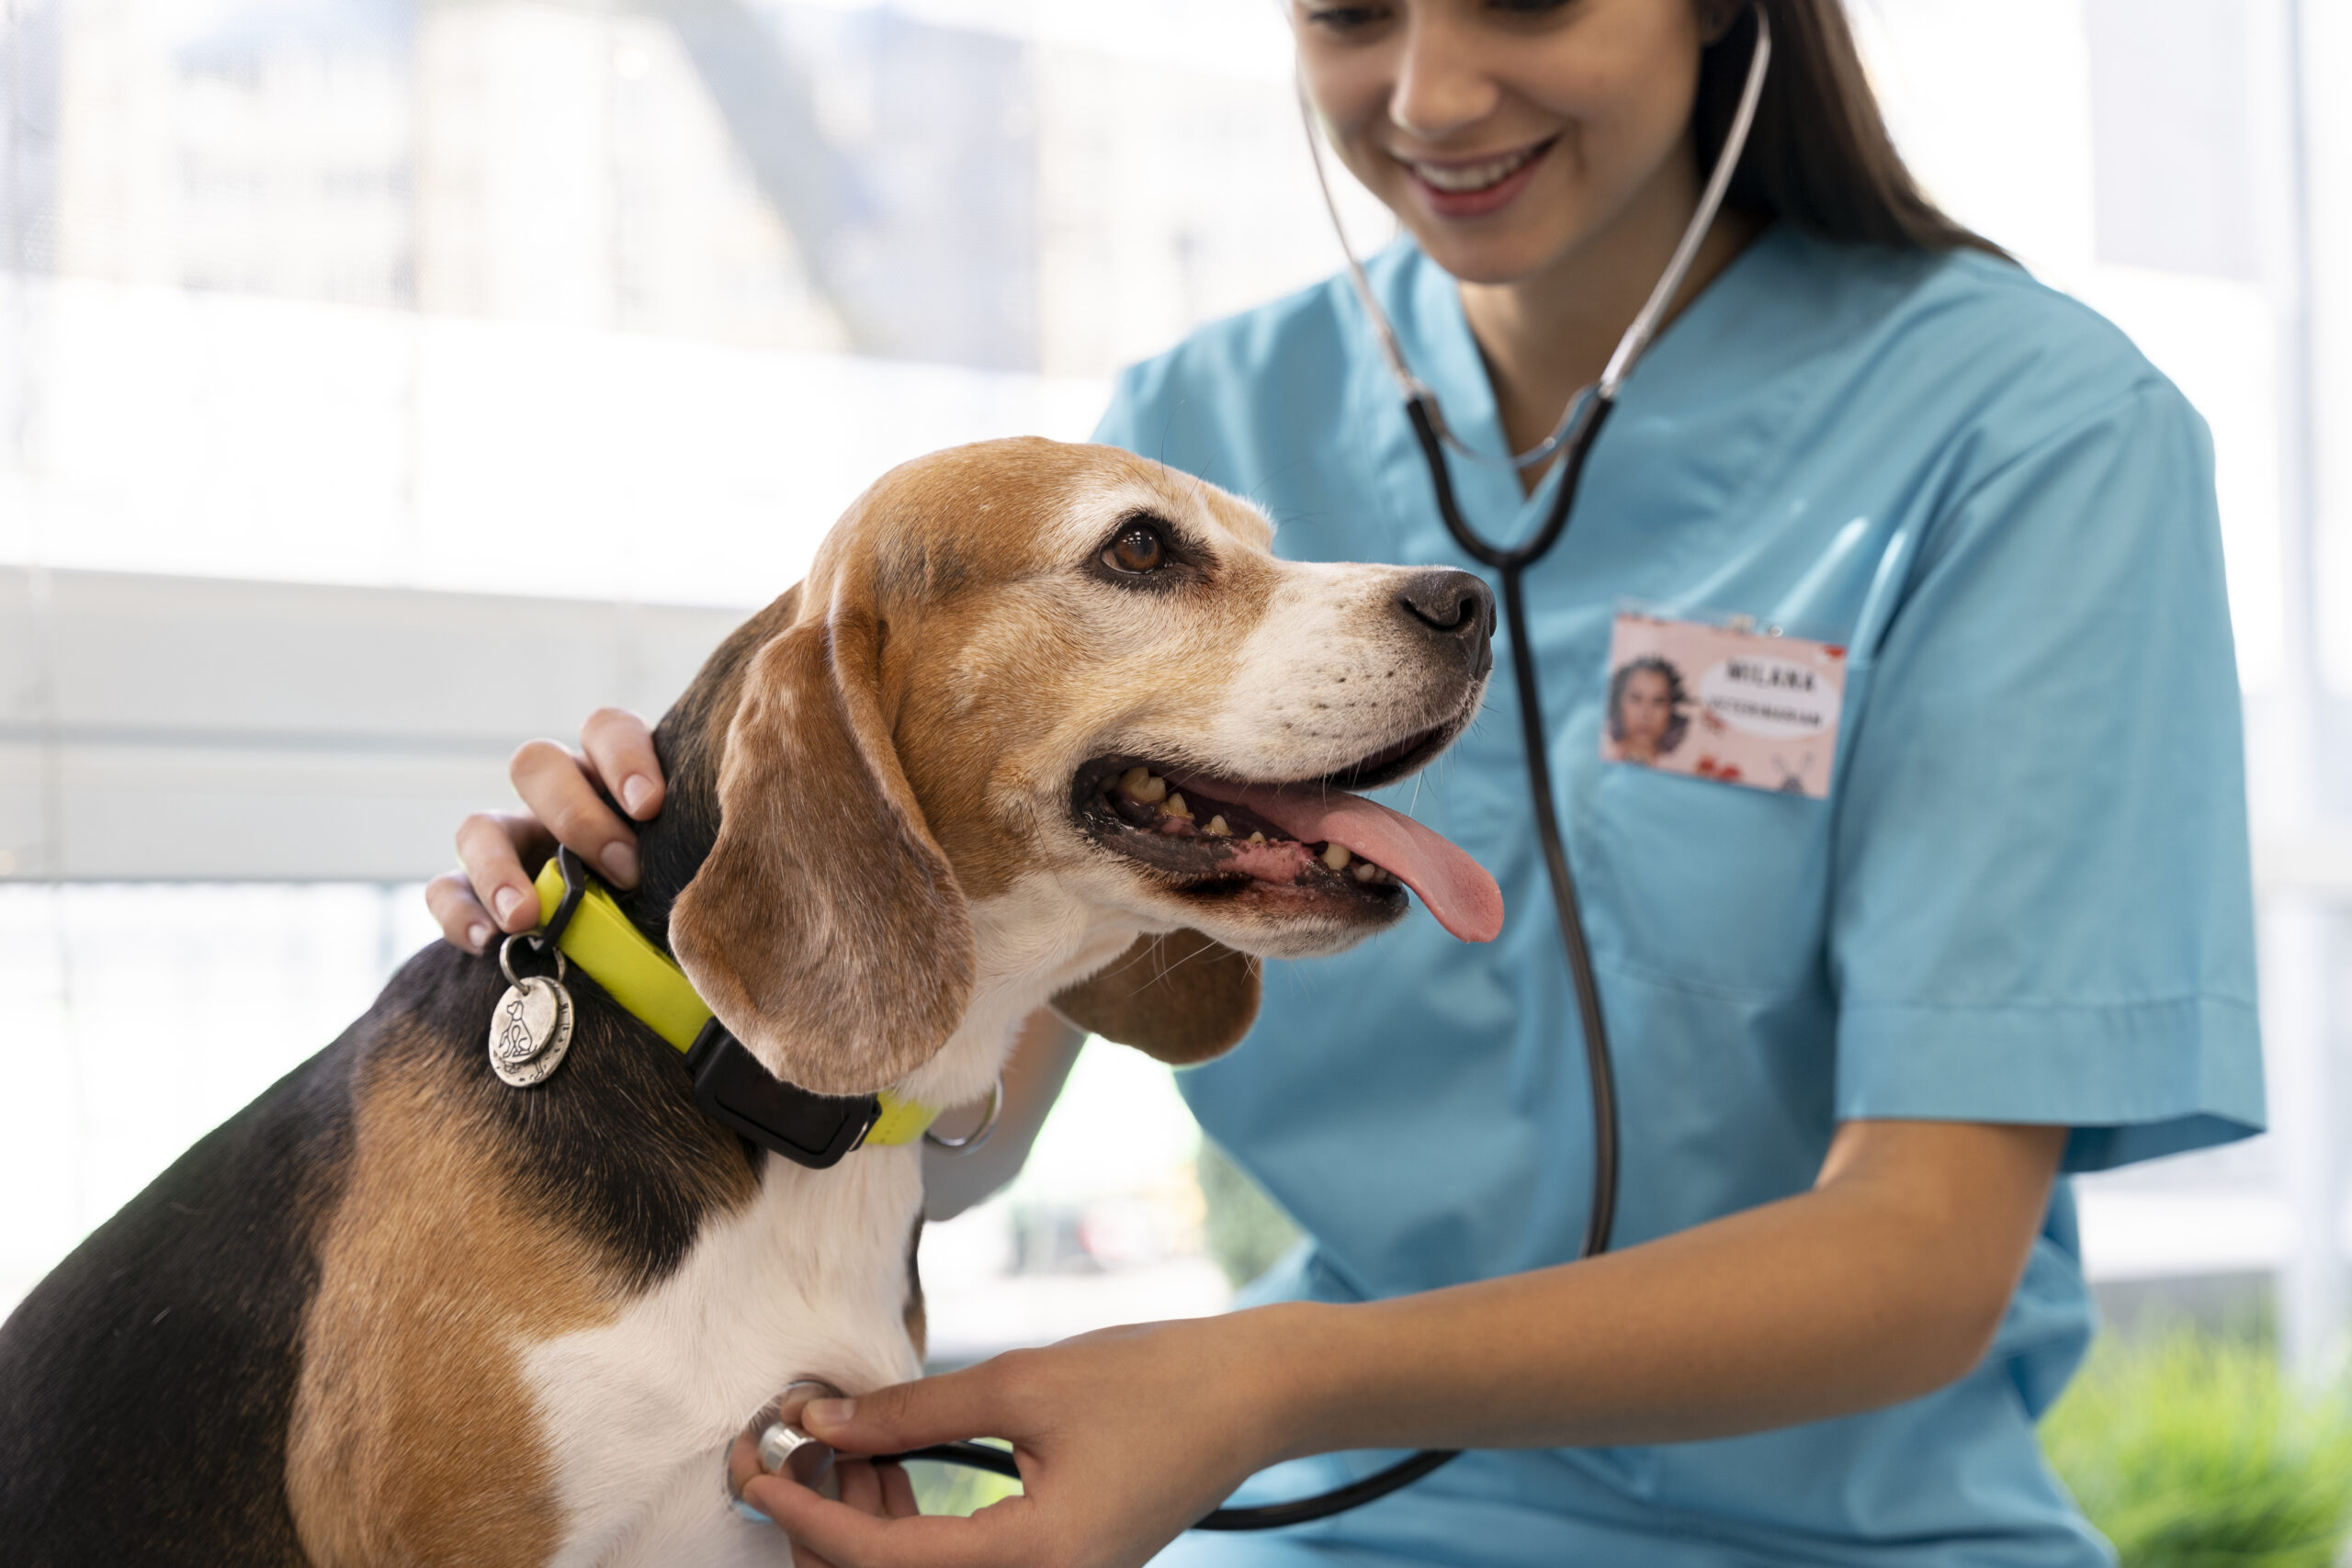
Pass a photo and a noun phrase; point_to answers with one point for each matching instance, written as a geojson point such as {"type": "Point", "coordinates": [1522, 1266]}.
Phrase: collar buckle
{"type": "Point", "coordinates": [576, 883]}
{"type": "Point", "coordinates": [733, 1089]}
{"type": "Point", "coordinates": [730, 1086]}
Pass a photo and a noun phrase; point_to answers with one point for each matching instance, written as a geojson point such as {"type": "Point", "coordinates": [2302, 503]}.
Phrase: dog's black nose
{"type": "Point", "coordinates": [1451, 605]}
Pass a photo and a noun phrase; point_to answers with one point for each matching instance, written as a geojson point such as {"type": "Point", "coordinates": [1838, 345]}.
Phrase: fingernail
{"type": "Point", "coordinates": [620, 861]}
{"type": "Point", "coordinates": [636, 790]}
{"type": "Point", "coordinates": [478, 936]}
{"type": "Point", "coordinates": [750, 1512]}
{"type": "Point", "coordinates": [830, 1412]}
{"type": "Point", "coordinates": [508, 899]}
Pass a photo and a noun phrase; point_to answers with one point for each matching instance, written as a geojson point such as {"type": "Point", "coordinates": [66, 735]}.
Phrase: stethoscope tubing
{"type": "Point", "coordinates": [1510, 565]}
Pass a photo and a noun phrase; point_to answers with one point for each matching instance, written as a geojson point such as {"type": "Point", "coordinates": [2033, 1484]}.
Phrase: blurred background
{"type": "Point", "coordinates": [352, 352]}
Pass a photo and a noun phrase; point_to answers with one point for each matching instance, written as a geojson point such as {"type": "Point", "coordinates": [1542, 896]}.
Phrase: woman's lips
{"type": "Point", "coordinates": [1475, 188]}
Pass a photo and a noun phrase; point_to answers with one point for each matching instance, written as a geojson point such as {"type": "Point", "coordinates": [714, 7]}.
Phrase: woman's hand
{"type": "Point", "coordinates": [1125, 1438]}
{"type": "Point", "coordinates": [492, 893]}
{"type": "Point", "coordinates": [877, 1490]}
{"type": "Point", "coordinates": [880, 1490]}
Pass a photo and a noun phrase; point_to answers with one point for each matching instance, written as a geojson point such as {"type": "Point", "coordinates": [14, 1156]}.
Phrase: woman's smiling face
{"type": "Point", "coordinates": [1506, 133]}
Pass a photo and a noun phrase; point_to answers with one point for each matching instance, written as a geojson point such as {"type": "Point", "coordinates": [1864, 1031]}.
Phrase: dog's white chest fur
{"type": "Point", "coordinates": [808, 1280]}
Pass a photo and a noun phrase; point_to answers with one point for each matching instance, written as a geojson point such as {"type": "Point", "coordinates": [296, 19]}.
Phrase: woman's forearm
{"type": "Point", "coordinates": [1883, 1282]}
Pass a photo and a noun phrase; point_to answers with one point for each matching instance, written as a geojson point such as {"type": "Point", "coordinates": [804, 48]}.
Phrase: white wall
{"type": "Point", "coordinates": [164, 729]}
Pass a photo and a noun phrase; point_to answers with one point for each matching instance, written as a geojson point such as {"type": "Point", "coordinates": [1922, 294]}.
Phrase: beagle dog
{"type": "Point", "coordinates": [1021, 737]}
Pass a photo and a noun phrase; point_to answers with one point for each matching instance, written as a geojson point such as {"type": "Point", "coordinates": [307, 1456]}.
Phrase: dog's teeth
{"type": "Point", "coordinates": [1174, 805]}
{"type": "Point", "coordinates": [1257, 838]}
{"type": "Point", "coordinates": [1336, 856]}
{"type": "Point", "coordinates": [1367, 871]}
{"type": "Point", "coordinates": [1218, 828]}
{"type": "Point", "coordinates": [1142, 785]}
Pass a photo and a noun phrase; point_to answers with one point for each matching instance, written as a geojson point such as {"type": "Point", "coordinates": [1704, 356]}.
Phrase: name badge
{"type": "Point", "coordinates": [1727, 702]}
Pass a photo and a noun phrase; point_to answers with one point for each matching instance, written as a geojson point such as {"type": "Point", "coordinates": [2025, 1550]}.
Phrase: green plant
{"type": "Point", "coordinates": [2189, 1452]}
{"type": "Point", "coordinates": [952, 1489]}
{"type": "Point", "coordinates": [1245, 1230]}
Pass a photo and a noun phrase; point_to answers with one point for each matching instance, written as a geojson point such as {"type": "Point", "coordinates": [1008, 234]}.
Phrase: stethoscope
{"type": "Point", "coordinates": [780, 1444]}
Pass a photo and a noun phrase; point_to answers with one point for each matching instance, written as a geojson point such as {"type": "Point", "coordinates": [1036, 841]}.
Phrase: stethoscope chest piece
{"type": "Point", "coordinates": [775, 1443]}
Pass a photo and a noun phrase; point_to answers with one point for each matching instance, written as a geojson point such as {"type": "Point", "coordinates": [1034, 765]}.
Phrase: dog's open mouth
{"type": "Point", "coordinates": [1306, 845]}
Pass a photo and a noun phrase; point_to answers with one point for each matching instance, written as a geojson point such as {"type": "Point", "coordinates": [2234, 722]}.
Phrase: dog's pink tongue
{"type": "Point", "coordinates": [1456, 889]}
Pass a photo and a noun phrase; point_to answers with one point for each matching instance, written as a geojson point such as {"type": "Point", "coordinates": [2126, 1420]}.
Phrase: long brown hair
{"type": "Point", "coordinates": [1818, 155]}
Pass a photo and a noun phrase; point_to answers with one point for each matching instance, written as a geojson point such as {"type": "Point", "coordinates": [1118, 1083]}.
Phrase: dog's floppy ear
{"type": "Point", "coordinates": [826, 928]}
{"type": "Point", "coordinates": [1180, 998]}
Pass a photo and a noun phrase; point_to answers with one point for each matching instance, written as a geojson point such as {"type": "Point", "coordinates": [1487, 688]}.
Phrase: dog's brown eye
{"type": "Point", "coordinates": [1138, 548]}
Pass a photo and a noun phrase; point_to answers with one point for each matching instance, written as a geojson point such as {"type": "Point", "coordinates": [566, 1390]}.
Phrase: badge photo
{"type": "Point", "coordinates": [1727, 702]}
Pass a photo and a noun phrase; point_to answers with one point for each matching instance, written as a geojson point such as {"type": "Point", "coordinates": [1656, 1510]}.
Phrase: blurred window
{"type": "Point", "coordinates": [497, 294]}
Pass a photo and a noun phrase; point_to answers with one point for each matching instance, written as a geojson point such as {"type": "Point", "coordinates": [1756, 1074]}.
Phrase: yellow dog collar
{"type": "Point", "coordinates": [593, 933]}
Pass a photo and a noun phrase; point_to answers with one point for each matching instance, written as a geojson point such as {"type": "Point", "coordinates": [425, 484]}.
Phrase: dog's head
{"type": "Point", "coordinates": [1051, 694]}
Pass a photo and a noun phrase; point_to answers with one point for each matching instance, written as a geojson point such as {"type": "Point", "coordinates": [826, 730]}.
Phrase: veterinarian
{"type": "Point", "coordinates": [1879, 967]}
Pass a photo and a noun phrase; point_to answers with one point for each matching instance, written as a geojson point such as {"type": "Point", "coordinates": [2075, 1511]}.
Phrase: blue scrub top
{"type": "Point", "coordinates": [2026, 899]}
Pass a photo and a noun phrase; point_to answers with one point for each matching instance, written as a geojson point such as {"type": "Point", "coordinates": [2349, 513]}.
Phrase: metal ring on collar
{"type": "Point", "coordinates": [507, 967]}
{"type": "Point", "coordinates": [972, 1140]}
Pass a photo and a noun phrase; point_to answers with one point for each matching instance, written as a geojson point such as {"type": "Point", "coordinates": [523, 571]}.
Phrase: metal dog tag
{"type": "Point", "coordinates": [531, 1029]}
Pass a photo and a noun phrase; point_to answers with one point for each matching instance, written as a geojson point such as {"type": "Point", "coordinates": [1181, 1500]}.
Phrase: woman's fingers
{"type": "Point", "coordinates": [498, 850]}
{"type": "Point", "coordinates": [996, 1537]}
{"type": "Point", "coordinates": [877, 1524]}
{"type": "Point", "coordinates": [492, 846]}
{"type": "Point", "coordinates": [878, 1490]}
{"type": "Point", "coordinates": [881, 1490]}
{"type": "Point", "coordinates": [554, 784]}
{"type": "Point", "coordinates": [861, 1488]}
{"type": "Point", "coordinates": [462, 918]}
{"type": "Point", "coordinates": [898, 1491]}
{"type": "Point", "coordinates": [742, 1461]}
{"type": "Point", "coordinates": [743, 1467]}
{"type": "Point", "coordinates": [620, 753]}
{"type": "Point", "coordinates": [906, 1416]}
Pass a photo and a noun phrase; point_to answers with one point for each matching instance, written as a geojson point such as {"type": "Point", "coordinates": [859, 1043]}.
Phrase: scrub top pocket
{"type": "Point", "coordinates": [1702, 884]}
